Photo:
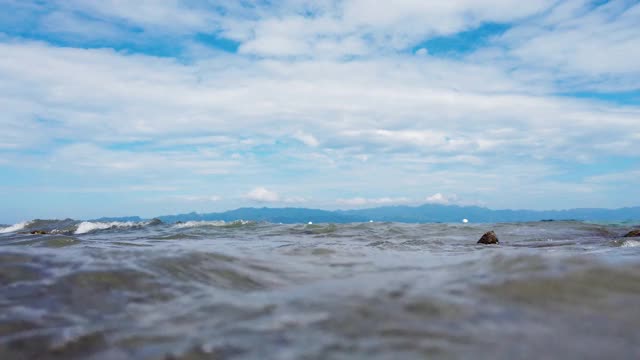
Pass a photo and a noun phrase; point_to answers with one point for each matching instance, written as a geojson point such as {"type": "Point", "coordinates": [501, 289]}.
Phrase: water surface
{"type": "Point", "coordinates": [246, 290]}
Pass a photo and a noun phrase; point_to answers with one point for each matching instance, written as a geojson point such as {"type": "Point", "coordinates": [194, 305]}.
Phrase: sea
{"type": "Point", "coordinates": [375, 290]}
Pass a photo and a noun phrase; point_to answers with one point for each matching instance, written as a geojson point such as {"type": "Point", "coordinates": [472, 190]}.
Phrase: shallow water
{"type": "Point", "coordinates": [246, 290]}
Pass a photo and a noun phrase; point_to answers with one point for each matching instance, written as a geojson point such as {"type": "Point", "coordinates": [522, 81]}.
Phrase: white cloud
{"type": "Point", "coordinates": [261, 194]}
{"type": "Point", "coordinates": [422, 52]}
{"type": "Point", "coordinates": [195, 119]}
{"type": "Point", "coordinates": [307, 139]}
{"type": "Point", "coordinates": [361, 27]}
{"type": "Point", "coordinates": [367, 105]}
{"type": "Point", "coordinates": [158, 16]}
{"type": "Point", "coordinates": [343, 81]}
{"type": "Point", "coordinates": [197, 198]}
{"type": "Point", "coordinates": [441, 199]}
{"type": "Point", "coordinates": [360, 201]}
{"type": "Point", "coordinates": [578, 45]}
{"type": "Point", "coordinates": [65, 23]}
{"type": "Point", "coordinates": [295, 200]}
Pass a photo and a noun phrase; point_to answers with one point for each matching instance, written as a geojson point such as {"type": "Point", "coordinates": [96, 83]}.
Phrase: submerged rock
{"type": "Point", "coordinates": [489, 238]}
{"type": "Point", "coordinates": [633, 233]}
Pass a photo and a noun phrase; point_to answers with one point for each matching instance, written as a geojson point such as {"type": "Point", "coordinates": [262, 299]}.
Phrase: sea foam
{"type": "Point", "coordinates": [15, 227]}
{"type": "Point", "coordinates": [192, 224]}
{"type": "Point", "coordinates": [89, 226]}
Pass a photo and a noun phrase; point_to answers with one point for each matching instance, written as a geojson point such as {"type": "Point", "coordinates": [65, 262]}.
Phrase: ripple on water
{"type": "Point", "coordinates": [320, 229]}
{"type": "Point", "coordinates": [60, 345]}
{"type": "Point", "coordinates": [108, 291]}
{"type": "Point", "coordinates": [375, 291]}
{"type": "Point", "coordinates": [48, 241]}
{"type": "Point", "coordinates": [215, 270]}
{"type": "Point", "coordinates": [590, 287]}
{"type": "Point", "coordinates": [15, 268]}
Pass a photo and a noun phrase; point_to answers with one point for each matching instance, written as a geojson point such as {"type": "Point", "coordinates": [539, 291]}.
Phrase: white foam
{"type": "Point", "coordinates": [88, 226]}
{"type": "Point", "coordinates": [631, 243]}
{"type": "Point", "coordinates": [15, 227]}
{"type": "Point", "coordinates": [191, 224]}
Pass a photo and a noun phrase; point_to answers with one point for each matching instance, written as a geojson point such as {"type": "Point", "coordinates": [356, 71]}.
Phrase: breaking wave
{"type": "Point", "coordinates": [90, 226]}
{"type": "Point", "coordinates": [15, 227]}
{"type": "Point", "coordinates": [214, 223]}
{"type": "Point", "coordinates": [630, 243]}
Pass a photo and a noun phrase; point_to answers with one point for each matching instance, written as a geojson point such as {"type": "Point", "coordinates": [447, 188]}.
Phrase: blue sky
{"type": "Point", "coordinates": [150, 107]}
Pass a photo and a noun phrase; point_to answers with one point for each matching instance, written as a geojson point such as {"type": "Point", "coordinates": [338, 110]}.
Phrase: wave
{"type": "Point", "coordinates": [91, 226]}
{"type": "Point", "coordinates": [630, 243]}
{"type": "Point", "coordinates": [214, 223]}
{"type": "Point", "coordinates": [70, 226]}
{"type": "Point", "coordinates": [15, 227]}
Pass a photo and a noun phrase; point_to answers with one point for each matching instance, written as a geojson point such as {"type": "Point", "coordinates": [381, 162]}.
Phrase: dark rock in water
{"type": "Point", "coordinates": [633, 233]}
{"type": "Point", "coordinates": [38, 232]}
{"type": "Point", "coordinates": [489, 238]}
{"type": "Point", "coordinates": [155, 221]}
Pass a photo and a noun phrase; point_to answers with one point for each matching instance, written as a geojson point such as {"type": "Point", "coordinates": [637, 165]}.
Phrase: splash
{"type": "Point", "coordinates": [15, 227]}
{"type": "Point", "coordinates": [630, 243]}
{"type": "Point", "coordinates": [88, 226]}
{"type": "Point", "coordinates": [214, 223]}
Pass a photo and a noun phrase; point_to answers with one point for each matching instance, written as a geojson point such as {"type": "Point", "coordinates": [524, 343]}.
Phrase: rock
{"type": "Point", "coordinates": [155, 221]}
{"type": "Point", "coordinates": [38, 232]}
{"type": "Point", "coordinates": [489, 238]}
{"type": "Point", "coordinates": [633, 233]}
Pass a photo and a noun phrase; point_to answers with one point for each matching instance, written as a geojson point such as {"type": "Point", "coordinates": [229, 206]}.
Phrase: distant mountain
{"type": "Point", "coordinates": [453, 213]}
{"type": "Point", "coordinates": [274, 215]}
{"type": "Point", "coordinates": [409, 214]}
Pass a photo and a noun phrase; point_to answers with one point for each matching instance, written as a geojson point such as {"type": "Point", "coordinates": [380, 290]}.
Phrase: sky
{"type": "Point", "coordinates": [152, 107]}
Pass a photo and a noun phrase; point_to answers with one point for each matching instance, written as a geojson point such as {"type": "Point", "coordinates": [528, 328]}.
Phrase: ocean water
{"type": "Point", "coordinates": [247, 290]}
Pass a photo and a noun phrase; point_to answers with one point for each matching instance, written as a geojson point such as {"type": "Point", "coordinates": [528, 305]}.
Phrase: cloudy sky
{"type": "Point", "coordinates": [149, 107]}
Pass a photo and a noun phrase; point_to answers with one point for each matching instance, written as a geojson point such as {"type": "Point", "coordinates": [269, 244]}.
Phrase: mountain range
{"type": "Point", "coordinates": [408, 214]}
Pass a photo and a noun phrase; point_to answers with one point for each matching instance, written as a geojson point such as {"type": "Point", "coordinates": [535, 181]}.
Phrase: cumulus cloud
{"type": "Point", "coordinates": [437, 198]}
{"type": "Point", "coordinates": [307, 139]}
{"type": "Point", "coordinates": [261, 194]}
{"type": "Point", "coordinates": [422, 52]}
{"type": "Point", "coordinates": [441, 199]}
{"type": "Point", "coordinates": [340, 77]}
{"type": "Point", "coordinates": [360, 201]}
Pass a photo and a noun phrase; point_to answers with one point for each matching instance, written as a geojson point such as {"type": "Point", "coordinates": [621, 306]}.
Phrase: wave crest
{"type": "Point", "coordinates": [15, 227]}
{"type": "Point", "coordinates": [214, 223]}
{"type": "Point", "coordinates": [630, 243]}
{"type": "Point", "coordinates": [90, 226]}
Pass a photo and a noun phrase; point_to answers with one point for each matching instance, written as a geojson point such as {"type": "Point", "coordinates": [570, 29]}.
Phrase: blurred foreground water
{"type": "Point", "coordinates": [245, 290]}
